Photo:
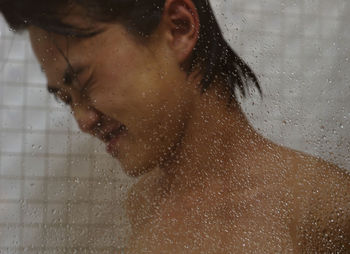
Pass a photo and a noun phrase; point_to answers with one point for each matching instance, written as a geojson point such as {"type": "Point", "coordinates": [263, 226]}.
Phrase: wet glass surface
{"type": "Point", "coordinates": [61, 192]}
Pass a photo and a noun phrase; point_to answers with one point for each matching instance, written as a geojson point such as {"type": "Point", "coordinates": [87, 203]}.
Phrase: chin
{"type": "Point", "coordinates": [135, 169]}
{"type": "Point", "coordinates": [134, 161]}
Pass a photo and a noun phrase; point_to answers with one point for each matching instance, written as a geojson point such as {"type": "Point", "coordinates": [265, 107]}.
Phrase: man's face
{"type": "Point", "coordinates": [131, 95]}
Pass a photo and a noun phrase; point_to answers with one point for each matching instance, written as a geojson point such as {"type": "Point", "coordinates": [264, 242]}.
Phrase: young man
{"type": "Point", "coordinates": [155, 81]}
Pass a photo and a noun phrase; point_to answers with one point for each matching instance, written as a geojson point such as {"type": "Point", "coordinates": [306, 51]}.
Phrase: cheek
{"type": "Point", "coordinates": [134, 88]}
{"type": "Point", "coordinates": [126, 86]}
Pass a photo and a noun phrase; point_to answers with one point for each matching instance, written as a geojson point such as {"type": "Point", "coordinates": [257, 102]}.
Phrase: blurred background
{"type": "Point", "coordinates": [60, 192]}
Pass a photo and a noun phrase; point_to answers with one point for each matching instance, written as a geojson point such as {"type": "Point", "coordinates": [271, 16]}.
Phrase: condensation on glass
{"type": "Point", "coordinates": [60, 192]}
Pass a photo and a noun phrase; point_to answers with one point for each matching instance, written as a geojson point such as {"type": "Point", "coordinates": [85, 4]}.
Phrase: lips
{"type": "Point", "coordinates": [112, 138]}
{"type": "Point", "coordinates": [114, 133]}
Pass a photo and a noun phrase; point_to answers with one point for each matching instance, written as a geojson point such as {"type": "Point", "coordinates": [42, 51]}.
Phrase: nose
{"type": "Point", "coordinates": [87, 117]}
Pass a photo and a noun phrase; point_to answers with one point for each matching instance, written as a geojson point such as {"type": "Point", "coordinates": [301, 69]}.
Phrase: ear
{"type": "Point", "coordinates": [182, 27]}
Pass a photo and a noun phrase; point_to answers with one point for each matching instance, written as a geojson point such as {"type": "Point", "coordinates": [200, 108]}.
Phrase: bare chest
{"type": "Point", "coordinates": [221, 225]}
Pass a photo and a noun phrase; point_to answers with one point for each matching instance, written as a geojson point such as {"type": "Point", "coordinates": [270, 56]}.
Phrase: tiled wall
{"type": "Point", "coordinates": [60, 191]}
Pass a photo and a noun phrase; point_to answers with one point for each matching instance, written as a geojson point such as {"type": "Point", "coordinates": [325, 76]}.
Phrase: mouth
{"type": "Point", "coordinates": [114, 133]}
{"type": "Point", "coordinates": [112, 137]}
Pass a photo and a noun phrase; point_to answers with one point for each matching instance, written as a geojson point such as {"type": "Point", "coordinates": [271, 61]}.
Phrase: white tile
{"type": "Point", "coordinates": [36, 96]}
{"type": "Point", "coordinates": [10, 213]}
{"type": "Point", "coordinates": [34, 213]}
{"type": "Point", "coordinates": [12, 118]}
{"type": "Point", "coordinates": [10, 165]}
{"type": "Point", "coordinates": [59, 120]}
{"type": "Point", "coordinates": [56, 237]}
{"type": "Point", "coordinates": [59, 143]}
{"type": "Point", "coordinates": [17, 50]}
{"type": "Point", "coordinates": [58, 167]}
{"type": "Point", "coordinates": [9, 237]}
{"type": "Point", "coordinates": [10, 189]}
{"type": "Point", "coordinates": [79, 236]}
{"type": "Point", "coordinates": [82, 143]}
{"type": "Point", "coordinates": [102, 191]}
{"type": "Point", "coordinates": [35, 75]}
{"type": "Point", "coordinates": [11, 142]}
{"type": "Point", "coordinates": [35, 119]}
{"type": "Point", "coordinates": [56, 214]}
{"type": "Point", "coordinates": [33, 237]}
{"type": "Point", "coordinates": [79, 189]}
{"type": "Point", "coordinates": [57, 190]}
{"type": "Point", "coordinates": [79, 213]}
{"type": "Point", "coordinates": [34, 166]}
{"type": "Point", "coordinates": [13, 95]}
{"type": "Point", "coordinates": [80, 167]}
{"type": "Point", "coordinates": [35, 143]}
{"type": "Point", "coordinates": [13, 72]}
{"type": "Point", "coordinates": [34, 190]}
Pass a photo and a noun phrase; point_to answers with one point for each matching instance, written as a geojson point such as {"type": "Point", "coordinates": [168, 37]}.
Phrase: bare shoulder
{"type": "Point", "coordinates": [322, 198]}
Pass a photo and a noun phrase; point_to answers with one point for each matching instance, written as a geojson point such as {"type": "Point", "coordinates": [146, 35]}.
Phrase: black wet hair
{"type": "Point", "coordinates": [215, 58]}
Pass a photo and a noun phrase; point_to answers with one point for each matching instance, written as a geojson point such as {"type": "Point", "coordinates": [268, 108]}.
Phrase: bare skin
{"type": "Point", "coordinates": [211, 183]}
{"type": "Point", "coordinates": [254, 197]}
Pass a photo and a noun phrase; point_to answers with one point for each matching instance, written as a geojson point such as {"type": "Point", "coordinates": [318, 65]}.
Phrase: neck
{"type": "Point", "coordinates": [218, 140]}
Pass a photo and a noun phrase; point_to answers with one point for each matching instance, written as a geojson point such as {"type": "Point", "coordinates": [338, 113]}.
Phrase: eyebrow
{"type": "Point", "coordinates": [66, 29]}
